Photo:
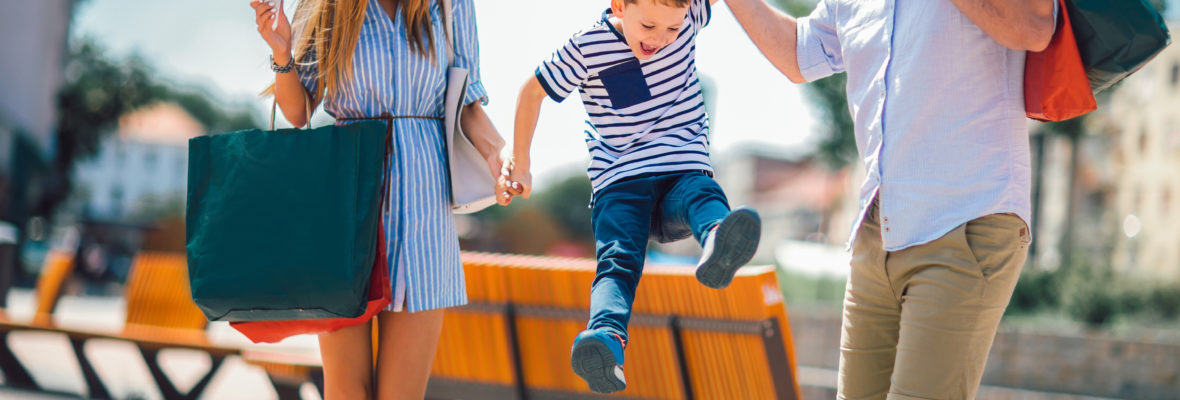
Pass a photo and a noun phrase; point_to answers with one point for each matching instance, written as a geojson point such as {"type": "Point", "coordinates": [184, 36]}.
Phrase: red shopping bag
{"type": "Point", "coordinates": [379, 298]}
{"type": "Point", "coordinates": [1056, 87]}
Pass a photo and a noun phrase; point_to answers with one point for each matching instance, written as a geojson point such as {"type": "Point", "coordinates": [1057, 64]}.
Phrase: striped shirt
{"type": "Point", "coordinates": [389, 79]}
{"type": "Point", "coordinates": [644, 116]}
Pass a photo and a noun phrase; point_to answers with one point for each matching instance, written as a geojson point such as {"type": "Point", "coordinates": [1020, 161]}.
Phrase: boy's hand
{"type": "Point", "coordinates": [521, 180]}
{"type": "Point", "coordinates": [517, 179]}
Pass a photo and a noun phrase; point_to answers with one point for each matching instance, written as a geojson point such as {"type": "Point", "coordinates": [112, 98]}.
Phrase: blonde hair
{"type": "Point", "coordinates": [331, 28]}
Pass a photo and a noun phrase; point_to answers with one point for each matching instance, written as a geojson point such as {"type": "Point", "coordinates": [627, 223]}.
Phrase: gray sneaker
{"type": "Point", "coordinates": [728, 247]}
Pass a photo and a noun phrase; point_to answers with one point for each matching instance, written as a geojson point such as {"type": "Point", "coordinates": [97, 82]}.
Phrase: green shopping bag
{"type": "Point", "coordinates": [282, 225]}
{"type": "Point", "coordinates": [1116, 37]}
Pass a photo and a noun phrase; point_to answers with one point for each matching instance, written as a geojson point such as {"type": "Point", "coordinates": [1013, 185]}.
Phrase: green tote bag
{"type": "Point", "coordinates": [283, 225]}
{"type": "Point", "coordinates": [1116, 37]}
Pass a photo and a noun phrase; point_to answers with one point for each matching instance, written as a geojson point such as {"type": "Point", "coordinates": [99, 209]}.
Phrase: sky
{"type": "Point", "coordinates": [214, 45]}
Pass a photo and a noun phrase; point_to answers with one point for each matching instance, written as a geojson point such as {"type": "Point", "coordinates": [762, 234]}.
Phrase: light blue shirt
{"type": "Point", "coordinates": [938, 108]}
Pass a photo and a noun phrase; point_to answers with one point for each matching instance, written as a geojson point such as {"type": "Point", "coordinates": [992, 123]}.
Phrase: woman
{"type": "Point", "coordinates": [373, 58]}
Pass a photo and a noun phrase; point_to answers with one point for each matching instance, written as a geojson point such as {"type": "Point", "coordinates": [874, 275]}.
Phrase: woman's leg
{"type": "Point", "coordinates": [405, 351]}
{"type": "Point", "coordinates": [348, 362]}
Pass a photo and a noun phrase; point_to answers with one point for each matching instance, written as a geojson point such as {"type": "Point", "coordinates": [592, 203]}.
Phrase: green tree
{"type": "Point", "coordinates": [837, 144]}
{"type": "Point", "coordinates": [568, 202]}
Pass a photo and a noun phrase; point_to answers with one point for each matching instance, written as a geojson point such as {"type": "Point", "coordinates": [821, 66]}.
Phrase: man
{"type": "Point", "coordinates": [935, 91]}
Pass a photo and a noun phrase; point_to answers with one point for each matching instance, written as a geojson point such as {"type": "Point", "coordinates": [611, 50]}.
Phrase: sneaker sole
{"type": "Point", "coordinates": [595, 363]}
{"type": "Point", "coordinates": [736, 242]}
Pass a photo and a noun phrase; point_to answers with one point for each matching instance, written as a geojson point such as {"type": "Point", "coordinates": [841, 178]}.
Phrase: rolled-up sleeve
{"type": "Point", "coordinates": [563, 72]}
{"type": "Point", "coordinates": [817, 44]}
{"type": "Point", "coordinates": [467, 49]}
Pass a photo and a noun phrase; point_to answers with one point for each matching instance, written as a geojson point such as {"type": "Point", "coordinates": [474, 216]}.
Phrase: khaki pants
{"type": "Point", "coordinates": [918, 323]}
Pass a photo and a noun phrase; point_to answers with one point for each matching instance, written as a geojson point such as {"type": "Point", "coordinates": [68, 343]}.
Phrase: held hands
{"type": "Point", "coordinates": [514, 180]}
{"type": "Point", "coordinates": [505, 188]}
{"type": "Point", "coordinates": [273, 27]}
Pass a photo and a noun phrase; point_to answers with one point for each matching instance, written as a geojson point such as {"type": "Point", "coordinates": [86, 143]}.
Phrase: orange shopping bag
{"type": "Point", "coordinates": [1056, 87]}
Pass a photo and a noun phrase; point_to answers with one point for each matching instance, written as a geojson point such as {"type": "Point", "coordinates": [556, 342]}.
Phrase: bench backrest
{"type": "Point", "coordinates": [158, 295]}
{"type": "Point", "coordinates": [58, 267]}
{"type": "Point", "coordinates": [687, 341]}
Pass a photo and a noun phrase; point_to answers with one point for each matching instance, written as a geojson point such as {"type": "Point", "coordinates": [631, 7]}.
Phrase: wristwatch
{"type": "Point", "coordinates": [281, 69]}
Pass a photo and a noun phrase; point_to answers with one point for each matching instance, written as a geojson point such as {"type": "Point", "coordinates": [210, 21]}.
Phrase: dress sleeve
{"type": "Point", "coordinates": [467, 49]}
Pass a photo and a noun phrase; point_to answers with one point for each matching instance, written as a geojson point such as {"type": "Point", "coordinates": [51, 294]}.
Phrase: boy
{"type": "Point", "coordinates": [649, 168]}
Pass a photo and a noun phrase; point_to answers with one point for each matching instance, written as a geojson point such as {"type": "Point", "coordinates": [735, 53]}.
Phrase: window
{"type": "Point", "coordinates": [120, 155]}
{"type": "Point", "coordinates": [116, 201]}
{"type": "Point", "coordinates": [149, 159]}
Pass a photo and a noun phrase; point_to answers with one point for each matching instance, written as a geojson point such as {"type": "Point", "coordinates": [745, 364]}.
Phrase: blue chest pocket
{"type": "Point", "coordinates": [625, 84]}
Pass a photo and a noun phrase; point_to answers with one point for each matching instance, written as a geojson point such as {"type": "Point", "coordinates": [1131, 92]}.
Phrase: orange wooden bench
{"type": "Point", "coordinates": [687, 341]}
{"type": "Point", "coordinates": [160, 315]}
{"type": "Point", "coordinates": [513, 340]}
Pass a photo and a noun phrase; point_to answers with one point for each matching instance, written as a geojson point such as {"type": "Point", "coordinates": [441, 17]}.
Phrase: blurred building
{"type": "Point", "coordinates": [141, 169]}
{"type": "Point", "coordinates": [130, 195]}
{"type": "Point", "coordinates": [798, 198]}
{"type": "Point", "coordinates": [1146, 114]}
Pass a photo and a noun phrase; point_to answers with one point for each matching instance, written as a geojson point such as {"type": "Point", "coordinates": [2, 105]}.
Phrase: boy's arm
{"type": "Point", "coordinates": [528, 108]}
{"type": "Point", "coordinates": [773, 31]}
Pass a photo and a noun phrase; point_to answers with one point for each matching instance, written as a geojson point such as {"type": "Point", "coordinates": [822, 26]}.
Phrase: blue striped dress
{"type": "Point", "coordinates": [388, 78]}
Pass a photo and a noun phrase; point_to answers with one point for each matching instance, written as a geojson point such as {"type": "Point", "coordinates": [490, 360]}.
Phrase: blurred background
{"type": "Point", "coordinates": [100, 97]}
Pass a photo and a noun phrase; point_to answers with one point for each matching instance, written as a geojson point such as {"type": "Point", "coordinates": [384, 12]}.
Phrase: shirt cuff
{"type": "Point", "coordinates": [476, 92]}
{"type": "Point", "coordinates": [553, 94]}
{"type": "Point", "coordinates": [809, 52]}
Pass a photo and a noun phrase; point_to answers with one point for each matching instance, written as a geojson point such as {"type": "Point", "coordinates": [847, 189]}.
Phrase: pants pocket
{"type": "Point", "coordinates": [999, 243]}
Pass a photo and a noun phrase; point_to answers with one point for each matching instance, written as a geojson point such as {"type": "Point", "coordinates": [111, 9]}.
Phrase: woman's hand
{"type": "Point", "coordinates": [277, 36]}
{"type": "Point", "coordinates": [488, 142]}
{"type": "Point", "coordinates": [506, 188]}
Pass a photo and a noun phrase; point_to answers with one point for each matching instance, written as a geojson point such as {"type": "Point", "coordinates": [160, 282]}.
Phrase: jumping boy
{"type": "Point", "coordinates": [648, 142]}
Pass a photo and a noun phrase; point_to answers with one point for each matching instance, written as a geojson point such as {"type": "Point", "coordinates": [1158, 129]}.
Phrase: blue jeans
{"type": "Point", "coordinates": [665, 207]}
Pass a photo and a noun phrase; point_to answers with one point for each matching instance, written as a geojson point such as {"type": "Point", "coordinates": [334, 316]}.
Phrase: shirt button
{"type": "Point", "coordinates": [886, 219]}
{"type": "Point", "coordinates": [882, 94]}
{"type": "Point", "coordinates": [886, 229]}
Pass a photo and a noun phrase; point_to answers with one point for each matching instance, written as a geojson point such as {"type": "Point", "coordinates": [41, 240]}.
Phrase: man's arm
{"type": "Point", "coordinates": [773, 31]}
{"type": "Point", "coordinates": [1015, 24]}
